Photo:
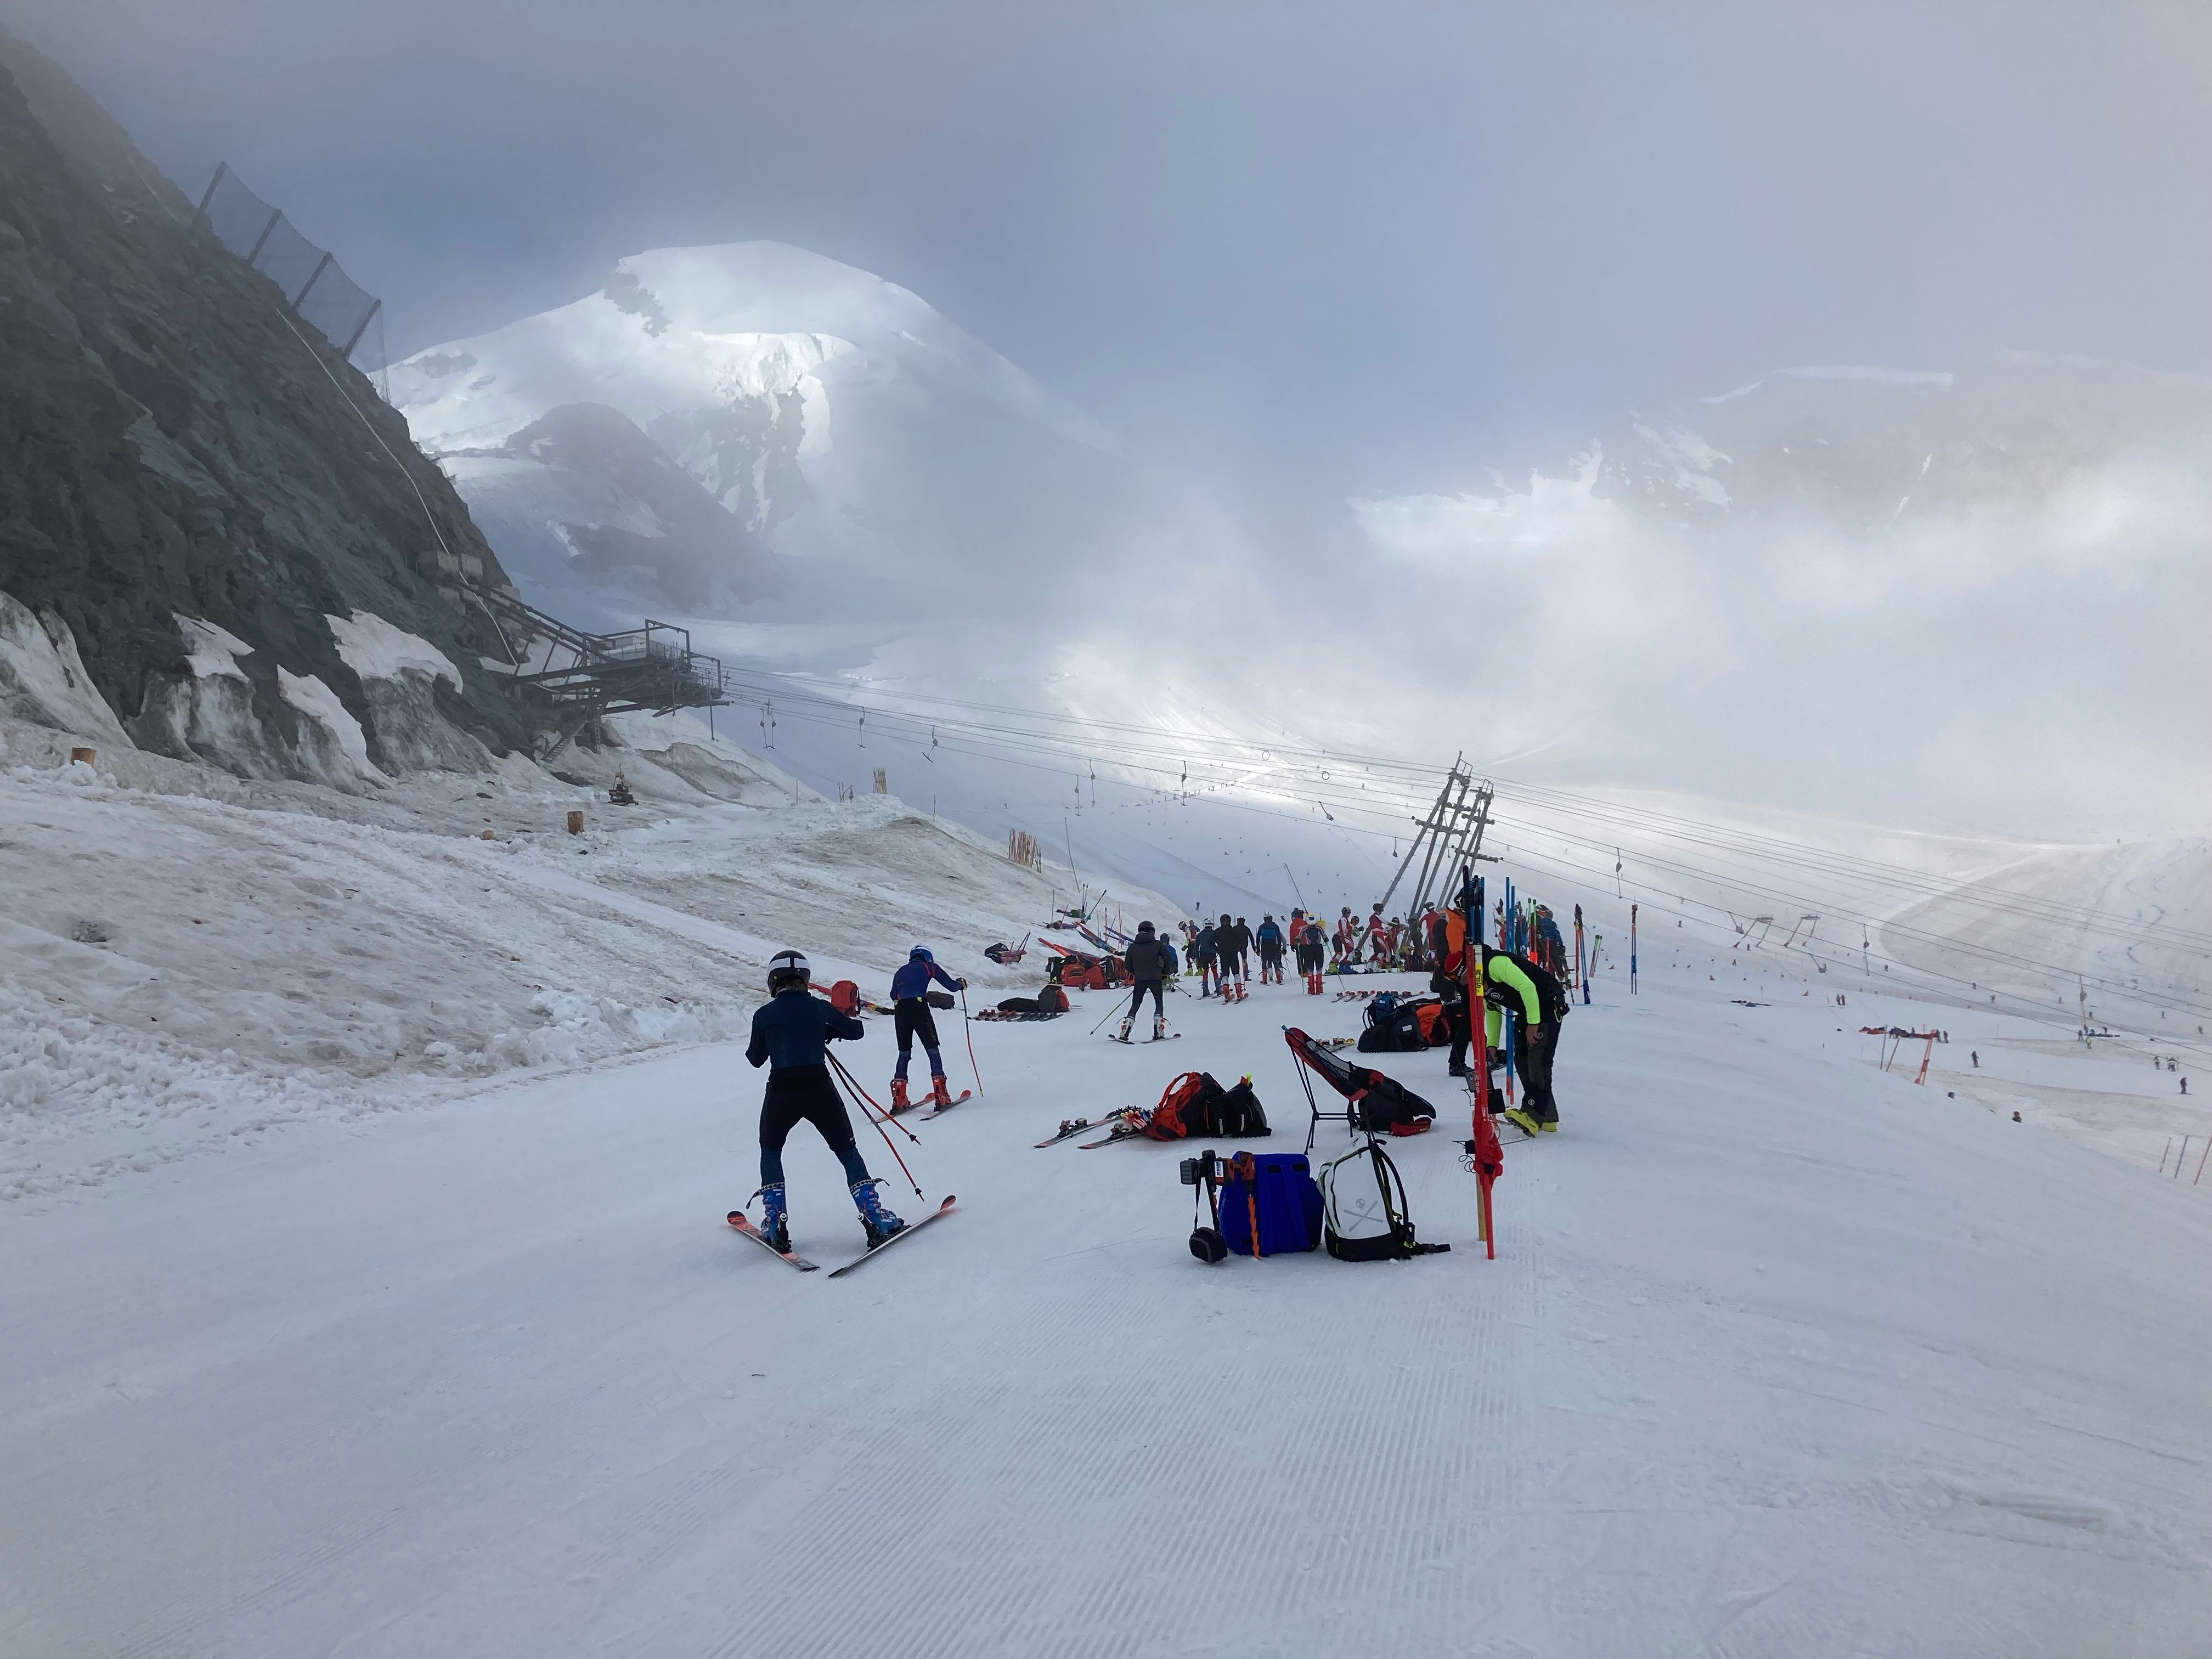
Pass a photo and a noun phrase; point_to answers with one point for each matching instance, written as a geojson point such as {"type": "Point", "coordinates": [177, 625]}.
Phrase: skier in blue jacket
{"type": "Point", "coordinates": [910, 1018]}
{"type": "Point", "coordinates": [791, 1034]}
{"type": "Point", "coordinates": [1270, 938]}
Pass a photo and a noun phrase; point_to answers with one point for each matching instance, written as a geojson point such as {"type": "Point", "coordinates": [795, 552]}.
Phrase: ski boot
{"type": "Point", "coordinates": [878, 1223]}
{"type": "Point", "coordinates": [1459, 1068]}
{"type": "Point", "coordinates": [939, 1096]}
{"type": "Point", "coordinates": [1123, 1036]}
{"type": "Point", "coordinates": [1550, 1126]}
{"type": "Point", "coordinates": [899, 1102]}
{"type": "Point", "coordinates": [1524, 1122]}
{"type": "Point", "coordinates": [776, 1224]}
{"type": "Point", "coordinates": [1159, 1028]}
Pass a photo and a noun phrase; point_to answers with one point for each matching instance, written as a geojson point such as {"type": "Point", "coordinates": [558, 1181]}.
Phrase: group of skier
{"type": "Point", "coordinates": [792, 1031]}
{"type": "Point", "coordinates": [1525, 994]}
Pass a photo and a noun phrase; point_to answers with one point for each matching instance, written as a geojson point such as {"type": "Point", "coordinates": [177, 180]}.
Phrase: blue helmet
{"type": "Point", "coordinates": [919, 953]}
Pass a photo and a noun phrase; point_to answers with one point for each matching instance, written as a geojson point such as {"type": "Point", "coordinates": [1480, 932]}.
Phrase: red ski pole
{"type": "Point", "coordinates": [879, 1123]}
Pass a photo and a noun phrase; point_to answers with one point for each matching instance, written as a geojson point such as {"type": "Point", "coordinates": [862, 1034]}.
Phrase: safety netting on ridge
{"type": "Point", "coordinates": [311, 282]}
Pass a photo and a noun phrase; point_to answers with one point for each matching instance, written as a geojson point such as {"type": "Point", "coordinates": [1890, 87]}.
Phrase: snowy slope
{"type": "Point", "coordinates": [1780, 1356]}
{"type": "Point", "coordinates": [181, 971]}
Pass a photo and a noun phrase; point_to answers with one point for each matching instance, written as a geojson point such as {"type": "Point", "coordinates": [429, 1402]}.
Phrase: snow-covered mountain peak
{"type": "Point", "coordinates": [803, 408]}
{"type": "Point", "coordinates": [673, 330]}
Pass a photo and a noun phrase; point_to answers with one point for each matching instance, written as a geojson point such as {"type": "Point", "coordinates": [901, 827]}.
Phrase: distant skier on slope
{"type": "Point", "coordinates": [1148, 959]}
{"type": "Point", "coordinates": [1270, 938]}
{"type": "Point", "coordinates": [791, 1032]}
{"type": "Point", "coordinates": [1204, 952]}
{"type": "Point", "coordinates": [1228, 943]}
{"type": "Point", "coordinates": [911, 1017]}
{"type": "Point", "coordinates": [1311, 950]}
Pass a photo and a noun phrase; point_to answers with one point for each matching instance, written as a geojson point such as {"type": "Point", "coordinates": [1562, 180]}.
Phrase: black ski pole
{"type": "Point", "coordinates": [1109, 1014]}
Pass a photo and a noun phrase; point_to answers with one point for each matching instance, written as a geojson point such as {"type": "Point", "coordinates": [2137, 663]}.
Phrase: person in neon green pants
{"type": "Point", "coordinates": [1513, 983]}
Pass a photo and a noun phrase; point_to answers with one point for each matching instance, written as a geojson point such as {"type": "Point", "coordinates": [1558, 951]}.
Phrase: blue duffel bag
{"type": "Point", "coordinates": [1278, 1199]}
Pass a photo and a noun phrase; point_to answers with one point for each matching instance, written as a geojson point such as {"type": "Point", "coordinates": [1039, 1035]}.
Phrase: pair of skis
{"type": "Point", "coordinates": [901, 1111]}
{"type": "Point", "coordinates": [1128, 1124]}
{"type": "Point", "coordinates": [1131, 1043]}
{"type": "Point", "coordinates": [742, 1223]}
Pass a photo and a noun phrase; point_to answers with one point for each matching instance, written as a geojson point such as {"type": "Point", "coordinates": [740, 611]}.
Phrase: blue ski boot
{"type": "Point", "coordinates": [880, 1222]}
{"type": "Point", "coordinates": [776, 1224]}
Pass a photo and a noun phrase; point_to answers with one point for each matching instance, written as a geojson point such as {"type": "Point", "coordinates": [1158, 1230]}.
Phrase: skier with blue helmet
{"type": "Point", "coordinates": [911, 1017]}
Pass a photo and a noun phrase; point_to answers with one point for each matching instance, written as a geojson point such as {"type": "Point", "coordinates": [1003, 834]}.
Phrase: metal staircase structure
{"type": "Point", "coordinates": [580, 677]}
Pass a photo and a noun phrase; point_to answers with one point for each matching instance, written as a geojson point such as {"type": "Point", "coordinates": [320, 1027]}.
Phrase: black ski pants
{"type": "Point", "coordinates": [1533, 1060]}
{"type": "Point", "coordinates": [912, 1019]}
{"type": "Point", "coordinates": [1137, 999]}
{"type": "Point", "coordinates": [1455, 1022]}
{"type": "Point", "coordinates": [804, 1093]}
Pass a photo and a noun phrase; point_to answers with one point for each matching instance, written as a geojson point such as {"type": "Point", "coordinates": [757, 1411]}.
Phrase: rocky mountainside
{"type": "Point", "coordinates": [216, 543]}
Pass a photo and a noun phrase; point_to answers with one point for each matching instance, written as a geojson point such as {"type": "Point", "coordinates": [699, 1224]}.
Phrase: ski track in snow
{"type": "Point", "coordinates": [1780, 1355]}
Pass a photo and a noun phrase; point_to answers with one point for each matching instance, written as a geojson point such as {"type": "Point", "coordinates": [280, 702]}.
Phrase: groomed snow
{"type": "Point", "coordinates": [361, 1184]}
{"type": "Point", "coordinates": [1780, 1355]}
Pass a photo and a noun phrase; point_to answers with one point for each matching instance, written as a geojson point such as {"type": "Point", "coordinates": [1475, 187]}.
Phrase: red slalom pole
{"type": "Point", "coordinates": [1489, 1155]}
{"type": "Point", "coordinates": [879, 1123]}
{"type": "Point", "coordinates": [967, 1030]}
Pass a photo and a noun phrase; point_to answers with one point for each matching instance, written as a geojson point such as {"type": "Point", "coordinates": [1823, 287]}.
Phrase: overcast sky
{"type": "Point", "coordinates": [1303, 256]}
{"type": "Point", "coordinates": [1382, 239]}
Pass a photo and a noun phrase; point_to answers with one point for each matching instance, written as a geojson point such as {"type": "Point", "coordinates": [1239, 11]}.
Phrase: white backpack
{"type": "Point", "coordinates": [1363, 1208]}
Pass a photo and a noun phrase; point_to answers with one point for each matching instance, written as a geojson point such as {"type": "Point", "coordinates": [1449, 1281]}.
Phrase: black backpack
{"type": "Point", "coordinates": [1388, 1107]}
{"type": "Point", "coordinates": [1235, 1114]}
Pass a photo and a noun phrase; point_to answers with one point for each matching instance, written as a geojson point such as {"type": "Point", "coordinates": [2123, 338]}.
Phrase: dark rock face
{"type": "Point", "coordinates": [168, 445]}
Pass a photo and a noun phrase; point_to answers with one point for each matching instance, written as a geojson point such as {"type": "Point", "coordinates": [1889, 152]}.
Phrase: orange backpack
{"type": "Point", "coordinates": [1185, 1108]}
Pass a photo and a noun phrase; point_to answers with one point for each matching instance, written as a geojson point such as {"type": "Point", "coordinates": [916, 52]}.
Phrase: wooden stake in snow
{"type": "Point", "coordinates": [87, 756]}
{"type": "Point", "coordinates": [575, 822]}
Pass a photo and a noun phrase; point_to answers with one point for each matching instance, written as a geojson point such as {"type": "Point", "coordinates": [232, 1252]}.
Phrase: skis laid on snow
{"type": "Point", "coordinates": [906, 1231]}
{"type": "Point", "coordinates": [1128, 1125]}
{"type": "Point", "coordinates": [1131, 1043]}
{"type": "Point", "coordinates": [1068, 1131]}
{"type": "Point", "coordinates": [742, 1224]}
{"type": "Point", "coordinates": [948, 1105]}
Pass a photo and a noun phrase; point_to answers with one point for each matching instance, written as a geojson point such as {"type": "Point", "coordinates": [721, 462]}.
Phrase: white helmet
{"type": "Point", "coordinates": [787, 969]}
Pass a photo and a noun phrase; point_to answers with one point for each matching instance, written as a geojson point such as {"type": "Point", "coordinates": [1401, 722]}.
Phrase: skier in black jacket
{"type": "Point", "coordinates": [791, 1034]}
{"type": "Point", "coordinates": [1148, 960]}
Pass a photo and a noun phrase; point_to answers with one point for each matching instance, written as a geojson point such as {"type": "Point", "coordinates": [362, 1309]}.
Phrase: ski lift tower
{"type": "Point", "coordinates": [1448, 841]}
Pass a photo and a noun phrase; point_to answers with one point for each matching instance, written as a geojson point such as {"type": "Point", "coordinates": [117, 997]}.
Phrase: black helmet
{"type": "Point", "coordinates": [787, 969]}
{"type": "Point", "coordinates": [1144, 926]}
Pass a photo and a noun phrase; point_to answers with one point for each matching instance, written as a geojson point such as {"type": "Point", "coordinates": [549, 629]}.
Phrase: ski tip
{"type": "Point", "coordinates": [737, 1218]}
